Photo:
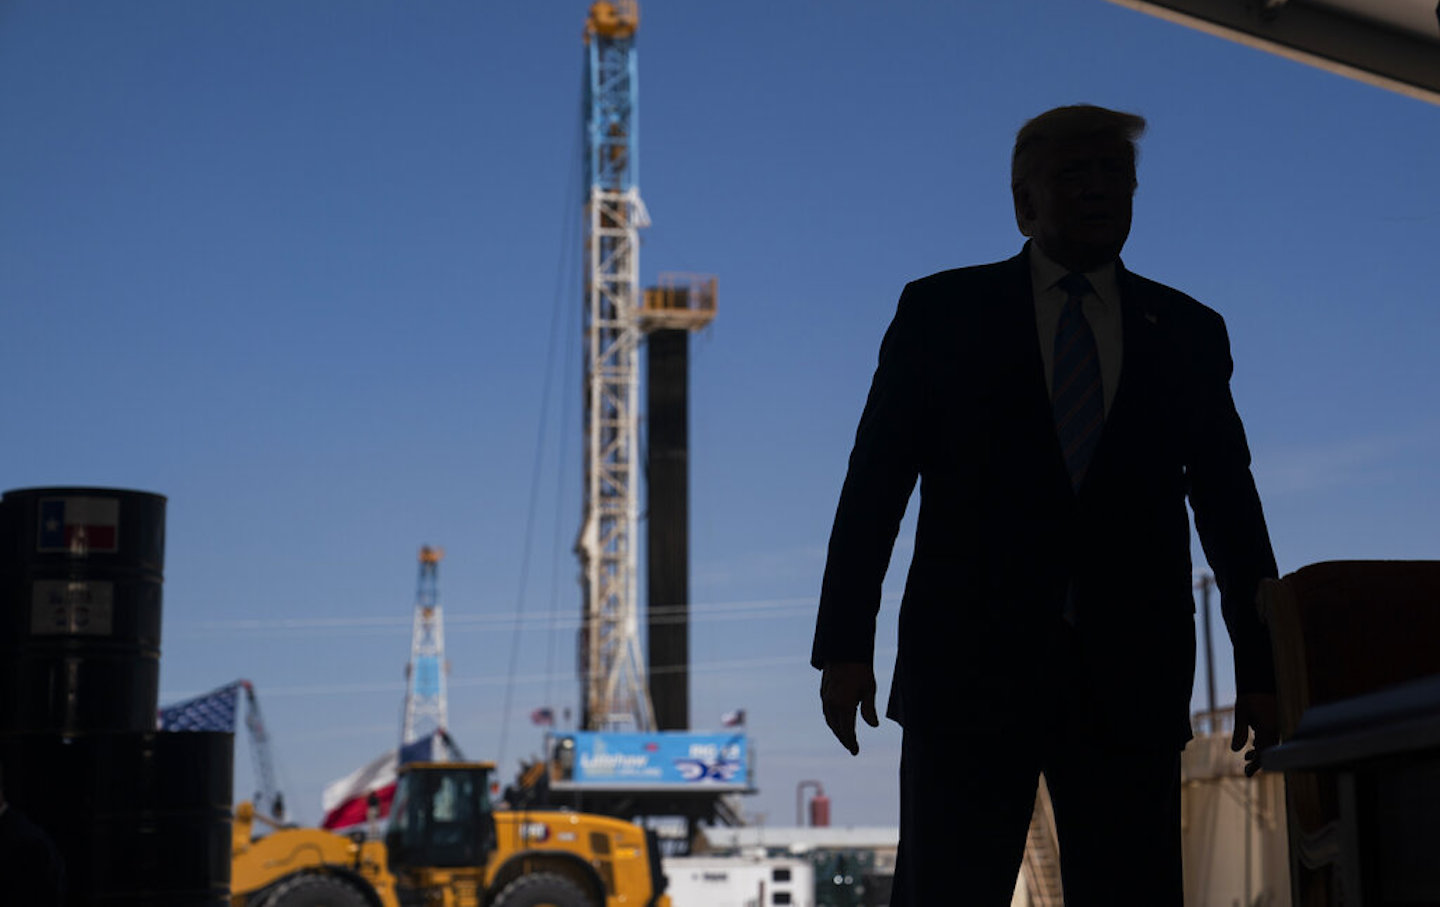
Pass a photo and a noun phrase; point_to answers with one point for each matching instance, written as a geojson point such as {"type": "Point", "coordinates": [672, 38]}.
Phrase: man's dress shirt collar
{"type": "Point", "coordinates": [1101, 308]}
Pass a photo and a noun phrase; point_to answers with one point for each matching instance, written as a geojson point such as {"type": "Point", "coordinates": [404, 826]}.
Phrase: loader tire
{"type": "Point", "coordinates": [543, 889]}
{"type": "Point", "coordinates": [314, 891]}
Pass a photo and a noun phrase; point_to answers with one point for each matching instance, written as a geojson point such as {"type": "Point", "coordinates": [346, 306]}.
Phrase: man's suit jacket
{"type": "Point", "coordinates": [959, 401]}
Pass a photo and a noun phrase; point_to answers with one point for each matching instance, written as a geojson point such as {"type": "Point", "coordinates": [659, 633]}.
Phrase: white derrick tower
{"type": "Point", "coordinates": [611, 666]}
{"type": "Point", "coordinates": [425, 673]}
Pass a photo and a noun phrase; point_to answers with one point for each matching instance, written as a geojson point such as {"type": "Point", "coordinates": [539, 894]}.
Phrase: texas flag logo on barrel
{"type": "Point", "coordinates": [79, 524]}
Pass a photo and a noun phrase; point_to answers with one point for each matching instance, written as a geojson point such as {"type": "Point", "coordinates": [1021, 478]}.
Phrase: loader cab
{"type": "Point", "coordinates": [441, 816]}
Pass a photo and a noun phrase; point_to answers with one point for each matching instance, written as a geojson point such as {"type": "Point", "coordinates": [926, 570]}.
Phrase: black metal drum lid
{"type": "Point", "coordinates": [90, 527]}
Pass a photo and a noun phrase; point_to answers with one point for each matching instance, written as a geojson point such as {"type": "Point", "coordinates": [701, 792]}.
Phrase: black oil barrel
{"type": "Point", "coordinates": [138, 818]}
{"type": "Point", "coordinates": [80, 607]}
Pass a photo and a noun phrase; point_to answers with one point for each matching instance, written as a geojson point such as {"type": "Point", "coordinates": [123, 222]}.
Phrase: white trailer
{"type": "Point", "coordinates": [740, 881]}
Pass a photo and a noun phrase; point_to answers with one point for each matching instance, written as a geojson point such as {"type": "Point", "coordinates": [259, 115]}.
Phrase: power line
{"type": "Point", "coordinates": [556, 321]}
{"type": "Point", "coordinates": [733, 665]}
{"type": "Point", "coordinates": [560, 619]}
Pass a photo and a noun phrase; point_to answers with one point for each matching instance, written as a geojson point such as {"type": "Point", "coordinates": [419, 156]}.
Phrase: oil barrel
{"type": "Point", "coordinates": [137, 818]}
{"type": "Point", "coordinates": [80, 609]}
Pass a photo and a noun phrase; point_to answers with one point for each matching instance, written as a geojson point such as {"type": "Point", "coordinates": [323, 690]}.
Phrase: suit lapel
{"type": "Point", "coordinates": [1016, 336]}
{"type": "Point", "coordinates": [1137, 371]}
{"type": "Point", "coordinates": [1017, 365]}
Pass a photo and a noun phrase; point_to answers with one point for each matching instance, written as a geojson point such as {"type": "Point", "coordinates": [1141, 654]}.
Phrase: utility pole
{"type": "Point", "coordinates": [1204, 584]}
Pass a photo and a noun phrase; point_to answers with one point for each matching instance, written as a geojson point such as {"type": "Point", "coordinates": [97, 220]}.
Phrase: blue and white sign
{"type": "Point", "coordinates": [661, 759]}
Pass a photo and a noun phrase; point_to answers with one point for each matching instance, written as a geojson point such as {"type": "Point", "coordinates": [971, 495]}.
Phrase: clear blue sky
{"type": "Point", "coordinates": [311, 270]}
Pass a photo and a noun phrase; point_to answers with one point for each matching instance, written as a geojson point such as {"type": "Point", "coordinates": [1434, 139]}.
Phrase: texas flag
{"type": "Point", "coordinates": [346, 801]}
{"type": "Point", "coordinates": [79, 524]}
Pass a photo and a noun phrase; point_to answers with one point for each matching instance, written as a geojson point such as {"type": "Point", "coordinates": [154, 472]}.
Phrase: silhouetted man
{"type": "Point", "coordinates": [1057, 410]}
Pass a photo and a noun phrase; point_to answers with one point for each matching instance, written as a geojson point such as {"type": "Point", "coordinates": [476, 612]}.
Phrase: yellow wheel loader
{"type": "Point", "coordinates": [445, 847]}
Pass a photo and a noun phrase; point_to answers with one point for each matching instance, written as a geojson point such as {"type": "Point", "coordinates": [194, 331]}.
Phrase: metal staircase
{"type": "Point", "coordinates": [1041, 868]}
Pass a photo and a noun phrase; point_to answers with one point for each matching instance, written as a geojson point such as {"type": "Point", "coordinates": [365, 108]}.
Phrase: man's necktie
{"type": "Point", "coordinates": [1076, 394]}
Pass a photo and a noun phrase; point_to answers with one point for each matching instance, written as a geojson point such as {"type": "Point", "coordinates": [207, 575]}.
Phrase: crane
{"type": "Point", "coordinates": [267, 793]}
{"type": "Point", "coordinates": [425, 708]}
{"type": "Point", "coordinates": [215, 711]}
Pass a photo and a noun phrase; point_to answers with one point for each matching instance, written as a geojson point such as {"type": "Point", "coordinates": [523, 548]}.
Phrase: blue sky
{"type": "Point", "coordinates": [311, 271]}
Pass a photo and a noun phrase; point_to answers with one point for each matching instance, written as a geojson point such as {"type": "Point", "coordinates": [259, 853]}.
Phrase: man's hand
{"type": "Point", "coordinates": [1258, 711]}
{"type": "Point", "coordinates": [843, 686]}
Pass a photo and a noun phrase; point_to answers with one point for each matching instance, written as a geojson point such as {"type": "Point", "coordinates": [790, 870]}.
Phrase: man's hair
{"type": "Point", "coordinates": [1038, 138]}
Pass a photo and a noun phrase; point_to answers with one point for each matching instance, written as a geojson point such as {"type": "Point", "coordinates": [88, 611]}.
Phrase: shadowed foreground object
{"type": "Point", "coordinates": [138, 816]}
{"type": "Point", "coordinates": [1388, 43]}
{"type": "Point", "coordinates": [1342, 629]}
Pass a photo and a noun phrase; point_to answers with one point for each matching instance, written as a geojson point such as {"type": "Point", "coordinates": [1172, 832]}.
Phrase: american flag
{"type": "Point", "coordinates": [214, 711]}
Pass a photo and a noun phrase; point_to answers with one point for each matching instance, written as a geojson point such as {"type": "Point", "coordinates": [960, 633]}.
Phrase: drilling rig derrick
{"type": "Point", "coordinates": [425, 700]}
{"type": "Point", "coordinates": [617, 317]}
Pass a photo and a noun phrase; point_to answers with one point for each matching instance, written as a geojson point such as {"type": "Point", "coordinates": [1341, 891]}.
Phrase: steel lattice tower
{"type": "Point", "coordinates": [612, 670]}
{"type": "Point", "coordinates": [425, 710]}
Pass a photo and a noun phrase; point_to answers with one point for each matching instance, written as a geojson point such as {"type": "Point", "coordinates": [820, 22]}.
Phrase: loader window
{"type": "Point", "coordinates": [445, 819]}
{"type": "Point", "coordinates": [454, 829]}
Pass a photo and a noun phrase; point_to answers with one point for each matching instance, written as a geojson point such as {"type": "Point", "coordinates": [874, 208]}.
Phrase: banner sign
{"type": "Point", "coordinates": [662, 759]}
